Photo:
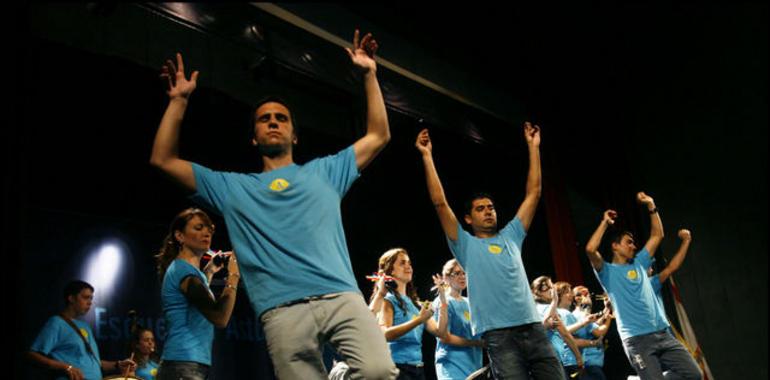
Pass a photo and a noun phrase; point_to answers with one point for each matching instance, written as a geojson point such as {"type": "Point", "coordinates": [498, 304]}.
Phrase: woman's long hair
{"type": "Point", "coordinates": [171, 247]}
{"type": "Point", "coordinates": [387, 261]}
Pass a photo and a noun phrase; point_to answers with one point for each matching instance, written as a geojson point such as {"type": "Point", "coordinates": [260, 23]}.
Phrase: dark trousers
{"type": "Point", "coordinates": [522, 352]}
{"type": "Point", "coordinates": [410, 372]}
{"type": "Point", "coordinates": [173, 370]}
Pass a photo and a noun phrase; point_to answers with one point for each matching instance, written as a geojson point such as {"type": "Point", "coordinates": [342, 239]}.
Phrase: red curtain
{"type": "Point", "coordinates": [561, 230]}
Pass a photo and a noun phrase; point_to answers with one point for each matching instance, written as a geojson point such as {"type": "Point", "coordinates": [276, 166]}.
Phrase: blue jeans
{"type": "Point", "coordinates": [652, 354]}
{"type": "Point", "coordinates": [522, 351]}
{"type": "Point", "coordinates": [174, 370]}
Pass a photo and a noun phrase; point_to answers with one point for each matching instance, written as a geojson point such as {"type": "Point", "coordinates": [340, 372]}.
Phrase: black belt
{"type": "Point", "coordinates": [302, 300]}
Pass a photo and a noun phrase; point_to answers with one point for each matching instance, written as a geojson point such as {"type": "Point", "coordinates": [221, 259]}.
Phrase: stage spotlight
{"type": "Point", "coordinates": [103, 270]}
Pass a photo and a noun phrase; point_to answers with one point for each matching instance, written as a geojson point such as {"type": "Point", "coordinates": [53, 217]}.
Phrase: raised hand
{"type": "Point", "coordinates": [211, 268]}
{"type": "Point", "coordinates": [684, 234]}
{"type": "Point", "coordinates": [609, 217]}
{"type": "Point", "coordinates": [554, 295]}
{"type": "Point", "coordinates": [423, 143]}
{"type": "Point", "coordinates": [381, 289]}
{"type": "Point", "coordinates": [178, 85]}
{"type": "Point", "coordinates": [232, 265]}
{"type": "Point", "coordinates": [362, 53]}
{"type": "Point", "coordinates": [644, 199]}
{"type": "Point", "coordinates": [532, 134]}
{"type": "Point", "coordinates": [425, 312]}
{"type": "Point", "coordinates": [440, 286]}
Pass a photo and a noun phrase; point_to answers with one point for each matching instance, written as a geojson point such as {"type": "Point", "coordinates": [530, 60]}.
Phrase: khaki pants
{"type": "Point", "coordinates": [296, 333]}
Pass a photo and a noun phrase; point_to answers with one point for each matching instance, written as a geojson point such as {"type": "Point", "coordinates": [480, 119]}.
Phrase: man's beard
{"type": "Point", "coordinates": [272, 150]}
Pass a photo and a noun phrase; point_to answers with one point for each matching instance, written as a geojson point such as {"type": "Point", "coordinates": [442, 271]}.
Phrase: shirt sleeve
{"type": "Point", "coordinates": [643, 258]}
{"type": "Point", "coordinates": [181, 272]}
{"type": "Point", "coordinates": [458, 247]}
{"type": "Point", "coordinates": [514, 230]}
{"type": "Point", "coordinates": [655, 283]}
{"type": "Point", "coordinates": [47, 338]}
{"type": "Point", "coordinates": [603, 275]}
{"type": "Point", "coordinates": [340, 170]}
{"type": "Point", "coordinates": [211, 188]}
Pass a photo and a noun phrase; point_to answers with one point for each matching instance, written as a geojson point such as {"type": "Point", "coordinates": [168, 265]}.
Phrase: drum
{"type": "Point", "coordinates": [121, 377]}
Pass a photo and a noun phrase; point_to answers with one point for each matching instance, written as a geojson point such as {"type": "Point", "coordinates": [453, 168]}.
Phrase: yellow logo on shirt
{"type": "Point", "coordinates": [632, 275]}
{"type": "Point", "coordinates": [154, 372]}
{"type": "Point", "coordinates": [84, 333]}
{"type": "Point", "coordinates": [467, 315]}
{"type": "Point", "coordinates": [279, 184]}
{"type": "Point", "coordinates": [495, 249]}
{"type": "Point", "coordinates": [415, 316]}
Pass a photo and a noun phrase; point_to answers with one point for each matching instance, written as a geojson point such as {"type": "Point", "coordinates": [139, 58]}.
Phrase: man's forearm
{"type": "Point", "coordinates": [166, 141]}
{"type": "Point", "coordinates": [47, 362]}
{"type": "Point", "coordinates": [678, 259]}
{"type": "Point", "coordinates": [534, 175]}
{"type": "Point", "coordinates": [656, 224]}
{"type": "Point", "coordinates": [596, 238]}
{"type": "Point", "coordinates": [435, 190]}
{"type": "Point", "coordinates": [376, 115]}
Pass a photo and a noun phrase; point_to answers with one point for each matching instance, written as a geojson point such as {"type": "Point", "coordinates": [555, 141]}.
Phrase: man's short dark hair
{"type": "Point", "coordinates": [475, 196]}
{"type": "Point", "coordinates": [274, 99]}
{"type": "Point", "coordinates": [617, 236]}
{"type": "Point", "coordinates": [73, 288]}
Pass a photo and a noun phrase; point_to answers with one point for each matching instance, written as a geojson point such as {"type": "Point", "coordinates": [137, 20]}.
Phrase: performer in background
{"type": "Point", "coordinates": [144, 354]}
{"type": "Point", "coordinates": [502, 304]}
{"type": "Point", "coordinates": [67, 346]}
{"type": "Point", "coordinates": [403, 319]}
{"type": "Point", "coordinates": [189, 306]}
{"type": "Point", "coordinates": [459, 352]}
{"type": "Point", "coordinates": [642, 323]}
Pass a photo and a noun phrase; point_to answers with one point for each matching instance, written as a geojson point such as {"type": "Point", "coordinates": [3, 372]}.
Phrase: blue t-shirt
{"type": "Point", "coordinates": [542, 309]}
{"type": "Point", "coordinates": [657, 287]}
{"type": "Point", "coordinates": [498, 289]}
{"type": "Point", "coordinates": [566, 356]}
{"type": "Point", "coordinates": [552, 334]}
{"type": "Point", "coordinates": [148, 371]}
{"type": "Point", "coordinates": [592, 356]}
{"type": "Point", "coordinates": [455, 362]}
{"type": "Point", "coordinates": [59, 341]}
{"type": "Point", "coordinates": [407, 349]}
{"type": "Point", "coordinates": [286, 227]}
{"type": "Point", "coordinates": [189, 333]}
{"type": "Point", "coordinates": [636, 308]}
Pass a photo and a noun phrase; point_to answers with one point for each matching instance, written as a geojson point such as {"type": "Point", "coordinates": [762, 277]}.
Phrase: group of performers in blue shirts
{"type": "Point", "coordinates": [289, 248]}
